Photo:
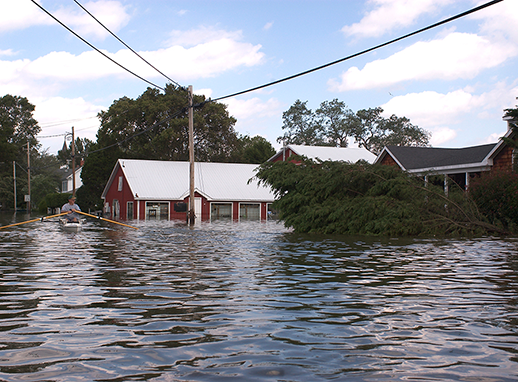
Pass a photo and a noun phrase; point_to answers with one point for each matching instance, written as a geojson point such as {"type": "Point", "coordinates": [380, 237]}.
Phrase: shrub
{"type": "Point", "coordinates": [496, 196]}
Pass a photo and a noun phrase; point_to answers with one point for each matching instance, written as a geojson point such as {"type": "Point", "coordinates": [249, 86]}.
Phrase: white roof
{"type": "Point", "coordinates": [165, 180]}
{"type": "Point", "coordinates": [346, 154]}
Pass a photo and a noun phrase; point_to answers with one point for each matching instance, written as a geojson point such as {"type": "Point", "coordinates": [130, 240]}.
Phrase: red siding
{"type": "Point", "coordinates": [125, 196]}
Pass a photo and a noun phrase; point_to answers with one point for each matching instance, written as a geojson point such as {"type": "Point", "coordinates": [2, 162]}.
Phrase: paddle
{"type": "Point", "coordinates": [34, 220]}
{"type": "Point", "coordinates": [101, 218]}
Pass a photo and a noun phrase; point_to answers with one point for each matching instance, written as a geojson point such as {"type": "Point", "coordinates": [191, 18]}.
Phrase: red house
{"type": "Point", "coordinates": [159, 190]}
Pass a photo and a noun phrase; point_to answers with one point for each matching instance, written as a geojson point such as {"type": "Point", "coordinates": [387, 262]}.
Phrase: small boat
{"type": "Point", "coordinates": [70, 226]}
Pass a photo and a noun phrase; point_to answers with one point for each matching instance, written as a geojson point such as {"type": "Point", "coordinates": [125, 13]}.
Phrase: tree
{"type": "Point", "coordinates": [253, 150]}
{"type": "Point", "coordinates": [336, 121]}
{"type": "Point", "coordinates": [17, 127]}
{"type": "Point", "coordinates": [373, 132]}
{"type": "Point", "coordinates": [155, 126]}
{"type": "Point", "coordinates": [301, 126]}
{"type": "Point", "coordinates": [81, 146]}
{"type": "Point", "coordinates": [343, 198]}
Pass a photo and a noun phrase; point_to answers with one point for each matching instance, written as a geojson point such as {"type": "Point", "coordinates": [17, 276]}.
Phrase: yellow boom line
{"type": "Point", "coordinates": [101, 218]}
{"type": "Point", "coordinates": [34, 220]}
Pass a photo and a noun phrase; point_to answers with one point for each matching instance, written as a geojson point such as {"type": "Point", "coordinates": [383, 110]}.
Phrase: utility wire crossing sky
{"type": "Point", "coordinates": [454, 81]}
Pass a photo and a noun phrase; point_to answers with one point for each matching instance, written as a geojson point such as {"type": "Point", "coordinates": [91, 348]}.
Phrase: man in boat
{"type": "Point", "coordinates": [71, 207]}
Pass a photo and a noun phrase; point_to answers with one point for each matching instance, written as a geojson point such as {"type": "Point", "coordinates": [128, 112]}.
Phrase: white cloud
{"type": "Point", "coordinates": [253, 108]}
{"type": "Point", "coordinates": [268, 26]}
{"type": "Point", "coordinates": [23, 14]}
{"type": "Point", "coordinates": [430, 108]}
{"type": "Point", "coordinates": [182, 64]}
{"type": "Point", "coordinates": [500, 20]}
{"type": "Point", "coordinates": [111, 14]}
{"type": "Point", "coordinates": [7, 52]}
{"type": "Point", "coordinates": [442, 135]}
{"type": "Point", "coordinates": [458, 55]}
{"type": "Point", "coordinates": [387, 15]}
{"type": "Point", "coordinates": [57, 115]}
{"type": "Point", "coordinates": [201, 35]}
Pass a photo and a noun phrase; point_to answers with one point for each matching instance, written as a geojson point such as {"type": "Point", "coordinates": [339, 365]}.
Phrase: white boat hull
{"type": "Point", "coordinates": [71, 226]}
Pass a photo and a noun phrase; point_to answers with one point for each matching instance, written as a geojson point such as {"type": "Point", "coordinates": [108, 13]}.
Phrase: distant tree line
{"type": "Point", "coordinates": [334, 124]}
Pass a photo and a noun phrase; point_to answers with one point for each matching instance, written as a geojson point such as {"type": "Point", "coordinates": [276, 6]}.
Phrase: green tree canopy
{"type": "Point", "coordinates": [300, 126]}
{"type": "Point", "coordinates": [342, 198]}
{"type": "Point", "coordinates": [255, 150]}
{"type": "Point", "coordinates": [333, 124]}
{"type": "Point", "coordinates": [17, 127]}
{"type": "Point", "coordinates": [81, 146]}
{"type": "Point", "coordinates": [373, 132]}
{"type": "Point", "coordinates": [155, 126]}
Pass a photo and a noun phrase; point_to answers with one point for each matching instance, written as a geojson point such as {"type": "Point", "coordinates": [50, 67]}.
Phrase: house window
{"type": "Point", "coordinates": [119, 188]}
{"type": "Point", "coordinates": [220, 211]}
{"type": "Point", "coordinates": [64, 186]}
{"type": "Point", "coordinates": [249, 211]}
{"type": "Point", "coordinates": [129, 210]}
{"type": "Point", "coordinates": [157, 211]}
{"type": "Point", "coordinates": [116, 209]}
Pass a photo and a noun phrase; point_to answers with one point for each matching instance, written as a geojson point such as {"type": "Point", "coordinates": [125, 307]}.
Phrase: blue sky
{"type": "Point", "coordinates": [453, 81]}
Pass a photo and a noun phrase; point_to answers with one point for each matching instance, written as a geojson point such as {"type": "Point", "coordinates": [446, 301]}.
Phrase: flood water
{"type": "Point", "coordinates": [252, 301]}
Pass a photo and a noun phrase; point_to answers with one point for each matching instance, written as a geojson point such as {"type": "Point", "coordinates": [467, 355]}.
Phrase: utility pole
{"type": "Point", "coordinates": [14, 177]}
{"type": "Point", "coordinates": [73, 163]}
{"type": "Point", "coordinates": [191, 159]}
{"type": "Point", "coordinates": [29, 177]}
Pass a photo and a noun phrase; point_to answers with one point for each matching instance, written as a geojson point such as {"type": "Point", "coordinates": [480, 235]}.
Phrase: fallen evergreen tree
{"type": "Point", "coordinates": [336, 197]}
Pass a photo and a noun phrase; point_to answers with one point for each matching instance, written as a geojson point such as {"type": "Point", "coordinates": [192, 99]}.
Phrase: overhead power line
{"type": "Point", "coordinates": [476, 9]}
{"type": "Point", "coordinates": [126, 45]}
{"type": "Point", "coordinates": [94, 48]}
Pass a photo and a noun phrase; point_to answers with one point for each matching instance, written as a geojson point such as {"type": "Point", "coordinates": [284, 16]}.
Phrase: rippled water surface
{"type": "Point", "coordinates": [252, 302]}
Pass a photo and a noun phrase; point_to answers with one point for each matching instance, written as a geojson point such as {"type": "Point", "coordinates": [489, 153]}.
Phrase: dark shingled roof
{"type": "Point", "coordinates": [426, 157]}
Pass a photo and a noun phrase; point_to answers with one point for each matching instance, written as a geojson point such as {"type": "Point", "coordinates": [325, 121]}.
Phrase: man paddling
{"type": "Point", "coordinates": [71, 207]}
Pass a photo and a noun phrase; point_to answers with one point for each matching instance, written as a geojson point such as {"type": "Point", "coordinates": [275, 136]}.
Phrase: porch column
{"type": "Point", "coordinates": [467, 181]}
{"type": "Point", "coordinates": [446, 184]}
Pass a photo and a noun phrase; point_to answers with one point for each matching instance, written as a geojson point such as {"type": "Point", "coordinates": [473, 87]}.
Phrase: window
{"type": "Point", "coordinates": [250, 211]}
{"type": "Point", "coordinates": [64, 186]}
{"type": "Point", "coordinates": [157, 211]}
{"type": "Point", "coordinates": [220, 211]}
{"type": "Point", "coordinates": [119, 188]}
{"type": "Point", "coordinates": [129, 210]}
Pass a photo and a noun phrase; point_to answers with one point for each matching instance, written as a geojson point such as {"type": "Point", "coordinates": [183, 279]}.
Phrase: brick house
{"type": "Point", "coordinates": [457, 164]}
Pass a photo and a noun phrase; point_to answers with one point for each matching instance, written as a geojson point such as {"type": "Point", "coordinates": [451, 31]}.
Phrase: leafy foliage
{"type": "Point", "coordinates": [255, 150]}
{"type": "Point", "coordinates": [513, 114]}
{"type": "Point", "coordinates": [337, 197]}
{"type": "Point", "coordinates": [155, 126]}
{"type": "Point", "coordinates": [373, 132]}
{"type": "Point", "coordinates": [496, 196]}
{"type": "Point", "coordinates": [333, 124]}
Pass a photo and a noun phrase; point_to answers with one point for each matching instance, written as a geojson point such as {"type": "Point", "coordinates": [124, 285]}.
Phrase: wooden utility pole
{"type": "Point", "coordinates": [191, 159]}
{"type": "Point", "coordinates": [29, 177]}
{"type": "Point", "coordinates": [73, 163]}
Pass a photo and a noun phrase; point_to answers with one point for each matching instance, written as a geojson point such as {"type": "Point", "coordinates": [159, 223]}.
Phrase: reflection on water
{"type": "Point", "coordinates": [252, 301]}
